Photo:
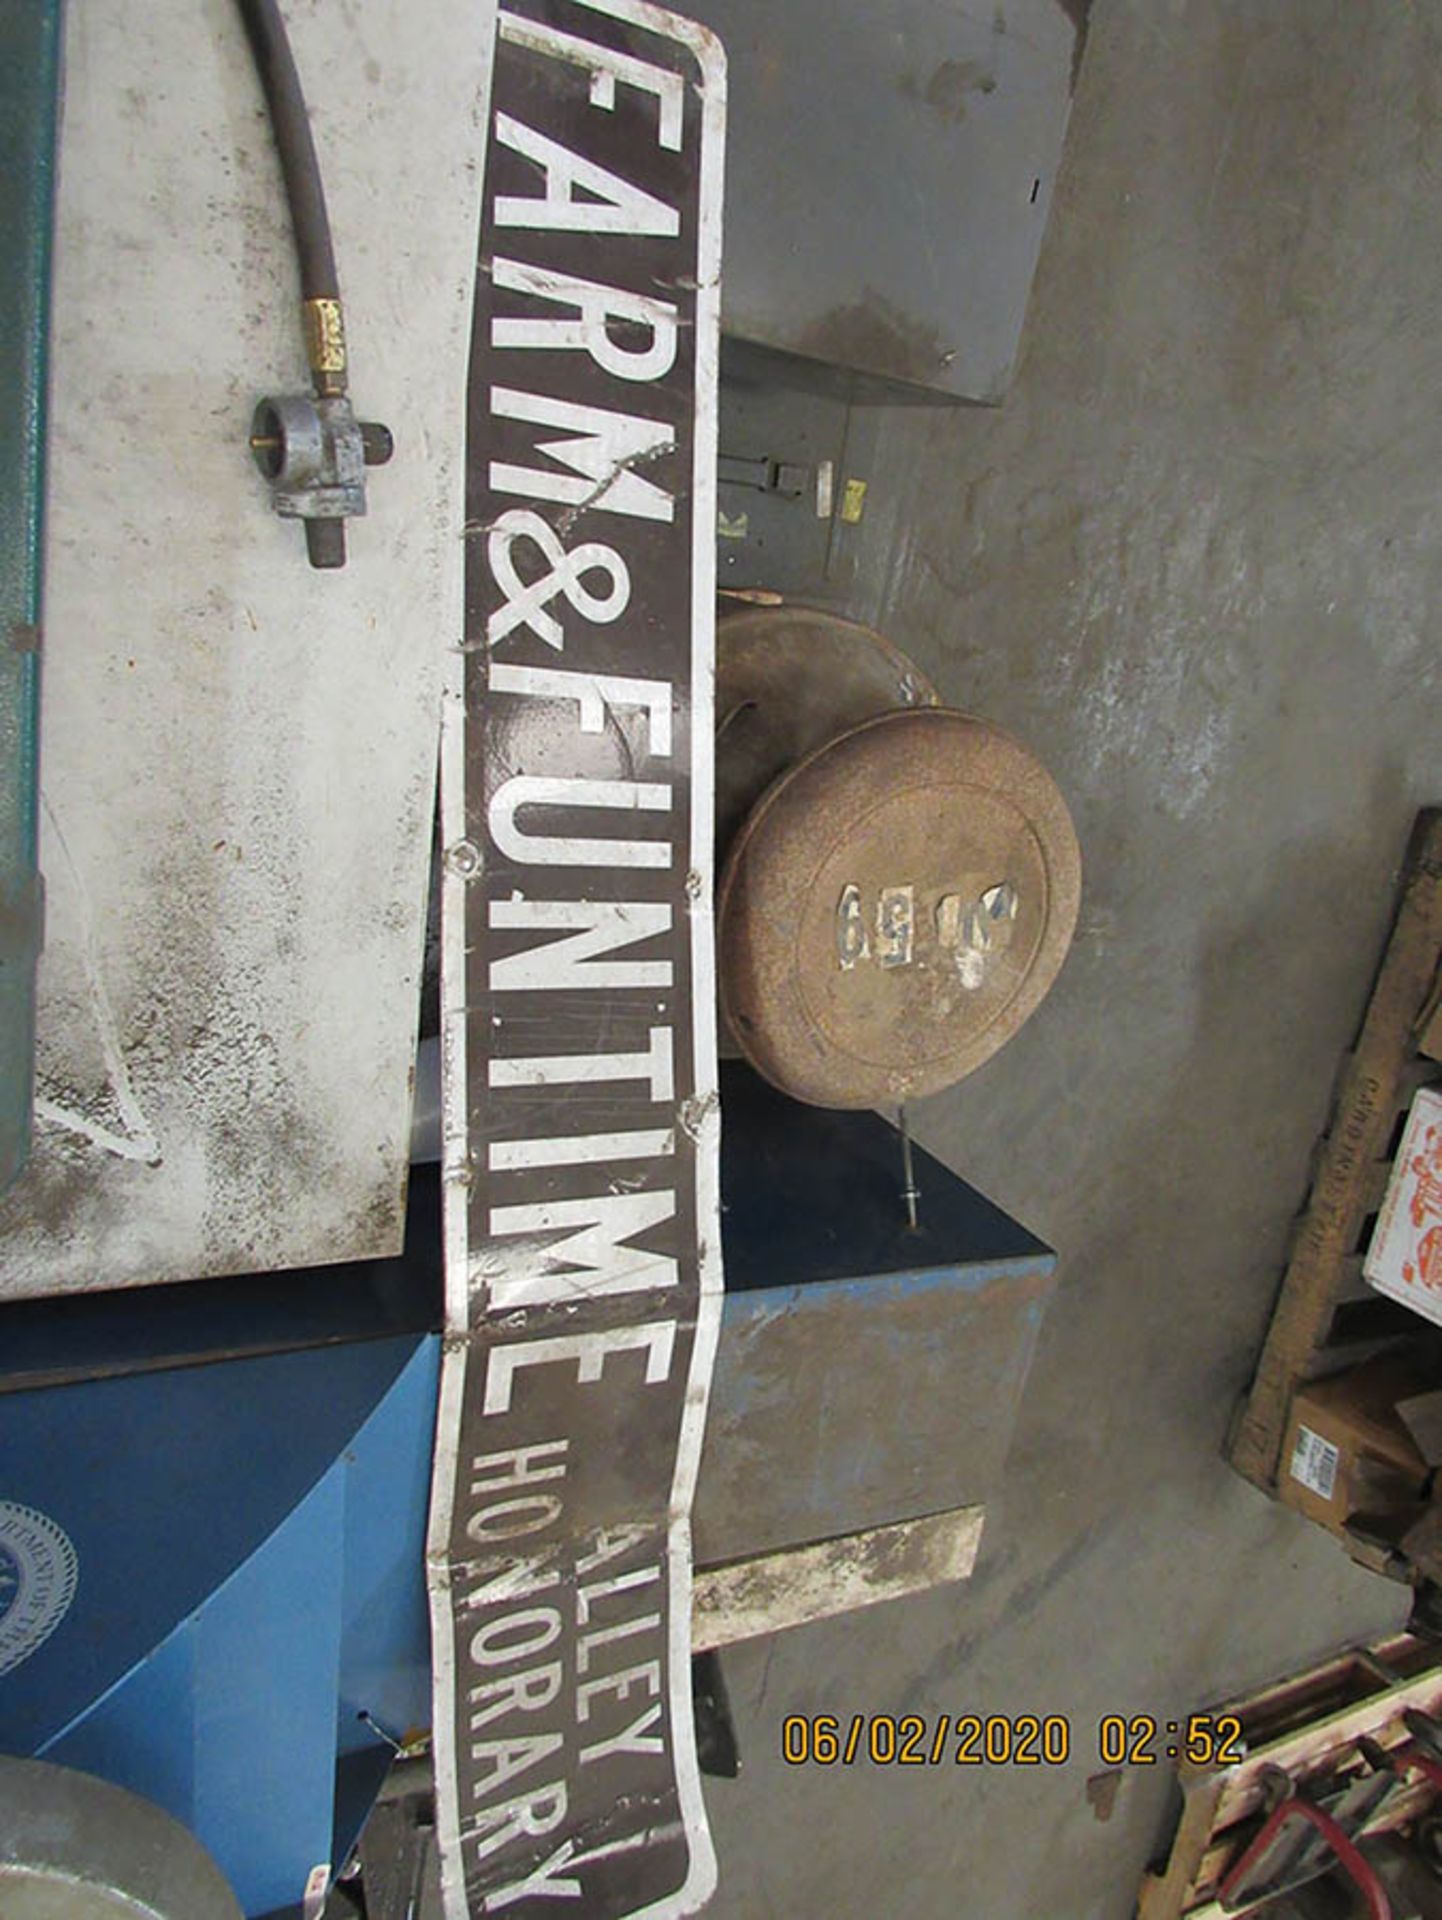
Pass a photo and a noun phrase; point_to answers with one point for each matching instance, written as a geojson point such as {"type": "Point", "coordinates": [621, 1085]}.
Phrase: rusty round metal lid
{"type": "Point", "coordinates": [895, 908]}
{"type": "Point", "coordinates": [787, 680]}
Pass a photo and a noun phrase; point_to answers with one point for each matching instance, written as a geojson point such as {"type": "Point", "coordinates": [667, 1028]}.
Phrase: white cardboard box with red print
{"type": "Point", "coordinates": [1405, 1258]}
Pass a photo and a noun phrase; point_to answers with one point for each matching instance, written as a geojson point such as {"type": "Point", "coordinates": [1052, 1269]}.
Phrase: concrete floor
{"type": "Point", "coordinates": [1194, 560]}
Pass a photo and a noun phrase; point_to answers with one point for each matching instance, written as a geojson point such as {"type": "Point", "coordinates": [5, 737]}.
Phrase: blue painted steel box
{"type": "Point", "coordinates": [866, 1373]}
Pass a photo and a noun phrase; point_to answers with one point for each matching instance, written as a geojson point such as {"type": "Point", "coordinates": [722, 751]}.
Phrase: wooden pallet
{"type": "Point", "coordinates": [1322, 1308]}
{"type": "Point", "coordinates": [1309, 1726]}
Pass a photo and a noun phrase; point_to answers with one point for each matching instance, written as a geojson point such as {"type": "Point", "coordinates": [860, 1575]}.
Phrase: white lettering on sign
{"type": "Point", "coordinates": [587, 1644]}
{"type": "Point", "coordinates": [572, 964]}
{"type": "Point", "coordinates": [527, 603]}
{"type": "Point", "coordinates": [619, 1684]}
{"type": "Point", "coordinates": [515, 1636]}
{"type": "Point", "coordinates": [529, 1692]}
{"type": "Point", "coordinates": [589, 1597]}
{"type": "Point", "coordinates": [508, 1519]}
{"type": "Point", "coordinates": [606, 65]}
{"type": "Point", "coordinates": [532, 1815]}
{"type": "Point", "coordinates": [611, 1543]}
{"type": "Point", "coordinates": [573, 850]}
{"type": "Point", "coordinates": [596, 696]}
{"type": "Point", "coordinates": [593, 1259]}
{"type": "Point", "coordinates": [496, 1472]}
{"type": "Point", "coordinates": [590, 1351]}
{"type": "Point", "coordinates": [615, 206]}
{"type": "Point", "coordinates": [655, 1066]}
{"type": "Point", "coordinates": [578, 1149]}
{"type": "Point", "coordinates": [594, 307]}
{"type": "Point", "coordinates": [601, 454]}
{"type": "Point", "coordinates": [637, 1738]}
{"type": "Point", "coordinates": [499, 1761]}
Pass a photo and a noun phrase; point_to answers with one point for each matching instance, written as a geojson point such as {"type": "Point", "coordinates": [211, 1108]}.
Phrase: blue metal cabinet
{"type": "Point", "coordinates": [243, 1544]}
{"type": "Point", "coordinates": [866, 1372]}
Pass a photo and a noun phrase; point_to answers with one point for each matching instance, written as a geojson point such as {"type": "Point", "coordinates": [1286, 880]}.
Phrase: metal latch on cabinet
{"type": "Point", "coordinates": [310, 447]}
{"type": "Point", "coordinates": [790, 478]}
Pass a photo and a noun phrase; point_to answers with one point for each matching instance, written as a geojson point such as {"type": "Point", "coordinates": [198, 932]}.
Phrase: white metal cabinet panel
{"type": "Point", "coordinates": [238, 752]}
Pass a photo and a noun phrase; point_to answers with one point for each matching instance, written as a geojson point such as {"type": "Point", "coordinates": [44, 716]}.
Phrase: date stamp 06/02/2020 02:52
{"type": "Point", "coordinates": [1006, 1740]}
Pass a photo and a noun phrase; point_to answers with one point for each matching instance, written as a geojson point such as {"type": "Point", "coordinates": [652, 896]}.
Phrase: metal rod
{"type": "Point", "coordinates": [367, 1718]}
{"type": "Point", "coordinates": [910, 1192]}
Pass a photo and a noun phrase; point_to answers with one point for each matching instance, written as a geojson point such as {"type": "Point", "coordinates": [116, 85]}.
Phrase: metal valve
{"type": "Point", "coordinates": [314, 452]}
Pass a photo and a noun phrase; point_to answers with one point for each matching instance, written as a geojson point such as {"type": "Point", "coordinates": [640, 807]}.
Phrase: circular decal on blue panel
{"type": "Point", "coordinates": [38, 1572]}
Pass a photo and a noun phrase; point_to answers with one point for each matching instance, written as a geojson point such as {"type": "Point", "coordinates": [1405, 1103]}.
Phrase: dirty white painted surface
{"type": "Point", "coordinates": [746, 1599]}
{"type": "Point", "coordinates": [238, 752]}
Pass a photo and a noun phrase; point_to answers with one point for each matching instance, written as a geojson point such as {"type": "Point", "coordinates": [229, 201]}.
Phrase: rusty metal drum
{"type": "Point", "coordinates": [788, 679]}
{"type": "Point", "coordinates": [894, 908]}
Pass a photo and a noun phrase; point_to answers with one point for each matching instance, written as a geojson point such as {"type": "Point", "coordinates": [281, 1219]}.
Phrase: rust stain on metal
{"type": "Point", "coordinates": [787, 680]}
{"type": "Point", "coordinates": [874, 335]}
{"type": "Point", "coordinates": [950, 86]}
{"type": "Point", "coordinates": [962, 855]}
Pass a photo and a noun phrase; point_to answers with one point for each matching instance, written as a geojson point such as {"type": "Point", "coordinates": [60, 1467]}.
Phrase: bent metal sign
{"type": "Point", "coordinates": [583, 1261]}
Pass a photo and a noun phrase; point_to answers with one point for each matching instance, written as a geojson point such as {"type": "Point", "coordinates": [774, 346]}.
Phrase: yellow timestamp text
{"type": "Point", "coordinates": [1006, 1740]}
{"type": "Point", "coordinates": [1140, 1740]}
{"type": "Point", "coordinates": [963, 1739]}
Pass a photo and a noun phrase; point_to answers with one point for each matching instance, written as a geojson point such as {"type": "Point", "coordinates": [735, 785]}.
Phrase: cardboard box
{"type": "Point", "coordinates": [1348, 1450]}
{"type": "Point", "coordinates": [1404, 1260]}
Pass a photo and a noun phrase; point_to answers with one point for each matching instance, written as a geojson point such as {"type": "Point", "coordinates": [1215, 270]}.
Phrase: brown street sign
{"type": "Point", "coordinates": [582, 1130]}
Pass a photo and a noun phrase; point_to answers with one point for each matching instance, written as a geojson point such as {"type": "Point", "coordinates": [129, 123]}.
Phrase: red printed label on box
{"type": "Point", "coordinates": [1405, 1257]}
